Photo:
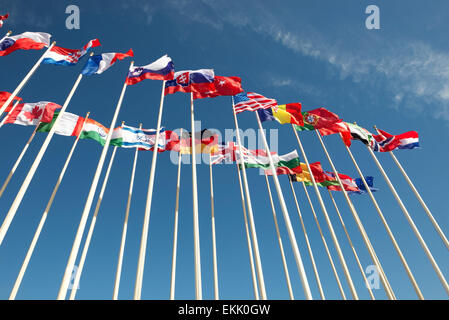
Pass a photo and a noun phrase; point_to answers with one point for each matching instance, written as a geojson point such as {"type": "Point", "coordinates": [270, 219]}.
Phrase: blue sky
{"type": "Point", "coordinates": [319, 54]}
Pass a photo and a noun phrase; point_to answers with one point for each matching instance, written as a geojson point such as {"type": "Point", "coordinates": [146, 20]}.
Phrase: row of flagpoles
{"type": "Point", "coordinates": [138, 74]}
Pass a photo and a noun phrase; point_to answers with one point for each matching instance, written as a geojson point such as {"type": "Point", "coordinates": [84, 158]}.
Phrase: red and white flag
{"type": "Point", "coordinates": [24, 41]}
{"type": "Point", "coordinates": [252, 101]}
{"type": "Point", "coordinates": [28, 114]}
{"type": "Point", "coordinates": [3, 18]}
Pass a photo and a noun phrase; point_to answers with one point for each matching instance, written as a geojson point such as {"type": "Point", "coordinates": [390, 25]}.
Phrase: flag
{"type": "Point", "coordinates": [284, 113]}
{"type": "Point", "coordinates": [191, 81]}
{"type": "Point", "coordinates": [161, 69]}
{"type": "Point", "coordinates": [389, 142]}
{"type": "Point", "coordinates": [69, 125]}
{"type": "Point", "coordinates": [4, 96]}
{"type": "Point", "coordinates": [362, 189]}
{"type": "Point", "coordinates": [28, 114]}
{"type": "Point", "coordinates": [24, 41]}
{"type": "Point", "coordinates": [259, 159]}
{"type": "Point", "coordinates": [96, 131]}
{"type": "Point", "coordinates": [68, 57]}
{"type": "Point", "coordinates": [224, 153]}
{"type": "Point", "coordinates": [223, 86]}
{"type": "Point", "coordinates": [348, 183]}
{"type": "Point", "coordinates": [286, 164]}
{"type": "Point", "coordinates": [144, 139]}
{"type": "Point", "coordinates": [318, 119]}
{"type": "Point", "coordinates": [252, 101]}
{"type": "Point", "coordinates": [363, 135]}
{"type": "Point", "coordinates": [338, 127]}
{"type": "Point", "coordinates": [321, 178]}
{"type": "Point", "coordinates": [100, 63]}
{"type": "Point", "coordinates": [3, 18]}
{"type": "Point", "coordinates": [205, 142]}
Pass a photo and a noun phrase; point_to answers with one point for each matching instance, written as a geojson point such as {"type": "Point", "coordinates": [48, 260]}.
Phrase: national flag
{"type": "Point", "coordinates": [3, 18]}
{"type": "Point", "coordinates": [224, 153]}
{"type": "Point", "coordinates": [24, 41]}
{"type": "Point", "coordinates": [206, 141]}
{"type": "Point", "coordinates": [363, 135]}
{"type": "Point", "coordinates": [68, 57]}
{"type": "Point", "coordinates": [338, 127]}
{"type": "Point", "coordinates": [4, 96]}
{"type": "Point", "coordinates": [28, 114]}
{"type": "Point", "coordinates": [252, 101]}
{"type": "Point", "coordinates": [96, 131]}
{"type": "Point", "coordinates": [161, 69]}
{"type": "Point", "coordinates": [389, 142]}
{"type": "Point", "coordinates": [191, 81]}
{"type": "Point", "coordinates": [99, 63]}
{"type": "Point", "coordinates": [259, 159]}
{"type": "Point", "coordinates": [317, 119]}
{"type": "Point", "coordinates": [362, 189]}
{"type": "Point", "coordinates": [286, 164]}
{"type": "Point", "coordinates": [144, 139]}
{"type": "Point", "coordinates": [223, 86]}
{"type": "Point", "coordinates": [284, 113]}
{"type": "Point", "coordinates": [321, 178]}
{"type": "Point", "coordinates": [348, 183]}
{"type": "Point", "coordinates": [69, 125]}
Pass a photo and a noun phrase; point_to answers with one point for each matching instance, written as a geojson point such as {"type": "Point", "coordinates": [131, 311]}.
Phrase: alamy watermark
{"type": "Point", "coordinates": [373, 20]}
{"type": "Point", "coordinates": [73, 20]}
{"type": "Point", "coordinates": [372, 277]}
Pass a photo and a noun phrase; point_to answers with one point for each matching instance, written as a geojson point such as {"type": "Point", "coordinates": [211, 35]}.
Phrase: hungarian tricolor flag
{"type": "Point", "coordinates": [24, 41]}
{"type": "Point", "coordinates": [318, 119]}
{"type": "Point", "coordinates": [28, 114]}
{"type": "Point", "coordinates": [222, 86]}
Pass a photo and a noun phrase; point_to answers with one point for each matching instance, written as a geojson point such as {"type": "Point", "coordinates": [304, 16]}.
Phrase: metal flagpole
{"type": "Point", "coordinates": [6, 115]}
{"type": "Point", "coordinates": [260, 277]}
{"type": "Point", "coordinates": [214, 242]}
{"type": "Point", "coordinates": [411, 222]}
{"type": "Point", "coordinates": [125, 227]}
{"type": "Point", "coordinates": [291, 233]}
{"type": "Point", "coordinates": [420, 199]}
{"type": "Point", "coordinates": [352, 246]}
{"type": "Point", "coordinates": [30, 251]}
{"type": "Point", "coordinates": [79, 271]}
{"type": "Point", "coordinates": [146, 220]}
{"type": "Point", "coordinates": [25, 80]}
{"type": "Point", "coordinates": [19, 159]}
{"type": "Point", "coordinates": [79, 233]}
{"type": "Point", "coordinates": [196, 228]}
{"type": "Point", "coordinates": [248, 238]}
{"type": "Point", "coordinates": [15, 205]}
{"type": "Point", "coordinates": [175, 230]}
{"type": "Point", "coordinates": [383, 278]}
{"type": "Point", "coordinates": [309, 247]}
{"type": "Point", "coordinates": [281, 247]}
{"type": "Point", "coordinates": [7, 34]}
{"type": "Point", "coordinates": [390, 233]}
{"type": "Point", "coordinates": [329, 223]}
{"type": "Point", "coordinates": [329, 256]}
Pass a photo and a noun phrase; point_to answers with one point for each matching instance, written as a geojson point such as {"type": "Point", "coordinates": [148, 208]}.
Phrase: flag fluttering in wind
{"type": "Point", "coordinates": [321, 178]}
{"type": "Point", "coordinates": [143, 139]}
{"type": "Point", "coordinates": [28, 114]}
{"type": "Point", "coordinates": [4, 95]}
{"type": "Point", "coordinates": [286, 164]}
{"type": "Point", "coordinates": [317, 119]}
{"type": "Point", "coordinates": [363, 135]}
{"type": "Point", "coordinates": [284, 113]}
{"type": "Point", "coordinates": [100, 63]}
{"type": "Point", "coordinates": [206, 141]}
{"type": "Point", "coordinates": [389, 142]}
{"type": "Point", "coordinates": [348, 183]}
{"type": "Point", "coordinates": [252, 101]}
{"type": "Point", "coordinates": [362, 190]}
{"type": "Point", "coordinates": [161, 69]}
{"type": "Point", "coordinates": [338, 127]}
{"type": "Point", "coordinates": [224, 153]}
{"type": "Point", "coordinates": [3, 18]}
{"type": "Point", "coordinates": [191, 81]}
{"type": "Point", "coordinates": [222, 86]}
{"type": "Point", "coordinates": [24, 41]}
{"type": "Point", "coordinates": [69, 125]}
{"type": "Point", "coordinates": [68, 57]}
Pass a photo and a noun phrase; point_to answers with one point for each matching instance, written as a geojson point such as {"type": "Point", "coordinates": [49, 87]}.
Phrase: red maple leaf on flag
{"type": "Point", "coordinates": [34, 114]}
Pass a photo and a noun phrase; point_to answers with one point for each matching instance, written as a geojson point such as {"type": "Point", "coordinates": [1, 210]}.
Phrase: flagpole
{"type": "Point", "coordinates": [281, 247]}
{"type": "Point", "coordinates": [248, 238]}
{"type": "Point", "coordinates": [7, 34]}
{"type": "Point", "coordinates": [352, 246]}
{"type": "Point", "coordinates": [387, 228]}
{"type": "Point", "coordinates": [175, 230]}
{"type": "Point", "coordinates": [82, 225]}
{"type": "Point", "coordinates": [291, 233]}
{"type": "Point", "coordinates": [420, 199]}
{"type": "Point", "coordinates": [19, 159]}
{"type": "Point", "coordinates": [411, 223]}
{"type": "Point", "coordinates": [260, 277]}
{"type": "Point", "coordinates": [6, 115]}
{"type": "Point", "coordinates": [79, 270]}
{"type": "Point", "coordinates": [385, 283]}
{"type": "Point", "coordinates": [118, 273]}
{"type": "Point", "coordinates": [329, 256]}
{"type": "Point", "coordinates": [25, 80]}
{"type": "Point", "coordinates": [146, 220]}
{"type": "Point", "coordinates": [214, 242]}
{"type": "Point", "coordinates": [15, 205]}
{"type": "Point", "coordinates": [309, 247]}
{"type": "Point", "coordinates": [39, 228]}
{"type": "Point", "coordinates": [329, 223]}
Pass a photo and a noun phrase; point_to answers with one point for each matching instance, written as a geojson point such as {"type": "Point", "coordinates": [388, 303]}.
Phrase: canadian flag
{"type": "Point", "coordinates": [28, 114]}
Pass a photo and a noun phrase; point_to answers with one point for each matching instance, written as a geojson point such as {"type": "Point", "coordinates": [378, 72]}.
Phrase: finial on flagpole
{"type": "Point", "coordinates": [123, 122]}
{"type": "Point", "coordinates": [87, 114]}
{"type": "Point", "coordinates": [91, 54]}
{"type": "Point", "coordinates": [8, 33]}
{"type": "Point", "coordinates": [375, 127]}
{"type": "Point", "coordinates": [53, 43]}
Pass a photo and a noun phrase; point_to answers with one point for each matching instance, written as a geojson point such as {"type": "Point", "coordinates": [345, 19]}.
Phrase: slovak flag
{"type": "Point", "coordinates": [191, 81]}
{"type": "Point", "coordinates": [161, 69]}
{"type": "Point", "coordinates": [28, 114]}
{"type": "Point", "coordinates": [100, 63]}
{"type": "Point", "coordinates": [68, 57]}
{"type": "Point", "coordinates": [389, 142]}
{"type": "Point", "coordinates": [2, 18]}
{"type": "Point", "coordinates": [24, 41]}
